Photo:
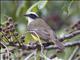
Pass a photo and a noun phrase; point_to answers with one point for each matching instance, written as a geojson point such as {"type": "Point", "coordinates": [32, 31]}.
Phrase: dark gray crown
{"type": "Point", "coordinates": [32, 15]}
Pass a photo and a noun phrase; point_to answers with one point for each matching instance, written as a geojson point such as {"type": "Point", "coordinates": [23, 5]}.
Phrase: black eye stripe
{"type": "Point", "coordinates": [33, 16]}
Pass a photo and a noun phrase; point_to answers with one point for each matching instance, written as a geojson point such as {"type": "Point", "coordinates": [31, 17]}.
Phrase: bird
{"type": "Point", "coordinates": [37, 24]}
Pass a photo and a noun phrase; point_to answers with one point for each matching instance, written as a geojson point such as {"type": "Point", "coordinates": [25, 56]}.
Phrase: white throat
{"type": "Point", "coordinates": [30, 20]}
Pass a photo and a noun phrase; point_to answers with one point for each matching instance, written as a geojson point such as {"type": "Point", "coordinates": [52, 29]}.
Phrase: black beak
{"type": "Point", "coordinates": [26, 15]}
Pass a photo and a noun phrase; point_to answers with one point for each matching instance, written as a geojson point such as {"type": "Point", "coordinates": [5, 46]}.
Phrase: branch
{"type": "Point", "coordinates": [68, 36]}
{"type": "Point", "coordinates": [48, 45]}
{"type": "Point", "coordinates": [67, 44]}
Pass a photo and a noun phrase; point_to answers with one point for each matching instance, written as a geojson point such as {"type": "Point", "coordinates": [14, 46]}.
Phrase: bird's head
{"type": "Point", "coordinates": [31, 16]}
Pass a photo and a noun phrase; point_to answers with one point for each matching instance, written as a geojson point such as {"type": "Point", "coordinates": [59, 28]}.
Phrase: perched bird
{"type": "Point", "coordinates": [37, 24]}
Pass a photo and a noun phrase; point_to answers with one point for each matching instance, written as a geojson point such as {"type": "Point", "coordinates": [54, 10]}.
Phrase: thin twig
{"type": "Point", "coordinates": [29, 56]}
{"type": "Point", "coordinates": [5, 48]}
{"type": "Point", "coordinates": [72, 55]}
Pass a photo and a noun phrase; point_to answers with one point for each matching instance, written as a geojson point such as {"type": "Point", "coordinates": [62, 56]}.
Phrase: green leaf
{"type": "Point", "coordinates": [42, 4]}
{"type": "Point", "coordinates": [22, 8]}
{"type": "Point", "coordinates": [28, 38]}
{"type": "Point", "coordinates": [38, 5]}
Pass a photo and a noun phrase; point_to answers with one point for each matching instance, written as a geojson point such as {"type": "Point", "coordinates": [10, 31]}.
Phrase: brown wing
{"type": "Point", "coordinates": [42, 34]}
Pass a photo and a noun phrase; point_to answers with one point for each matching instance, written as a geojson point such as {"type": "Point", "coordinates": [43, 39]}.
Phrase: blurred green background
{"type": "Point", "coordinates": [57, 14]}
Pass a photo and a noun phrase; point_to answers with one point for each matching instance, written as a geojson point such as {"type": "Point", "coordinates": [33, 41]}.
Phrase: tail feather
{"type": "Point", "coordinates": [59, 45]}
